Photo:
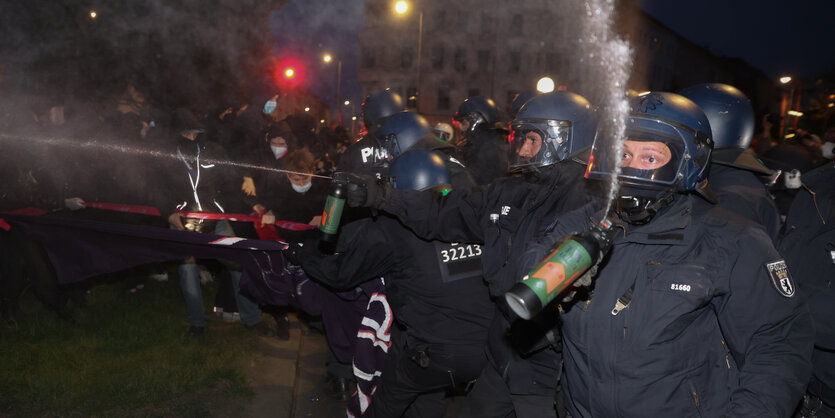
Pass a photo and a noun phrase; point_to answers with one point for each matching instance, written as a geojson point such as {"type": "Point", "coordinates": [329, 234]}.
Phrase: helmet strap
{"type": "Point", "coordinates": [638, 210]}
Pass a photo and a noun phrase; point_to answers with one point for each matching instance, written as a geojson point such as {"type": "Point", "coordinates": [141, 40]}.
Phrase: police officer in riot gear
{"type": "Point", "coordinates": [482, 140]}
{"type": "Point", "coordinates": [808, 244]}
{"type": "Point", "coordinates": [408, 130]}
{"type": "Point", "coordinates": [440, 304]}
{"type": "Point", "coordinates": [735, 167]}
{"type": "Point", "coordinates": [524, 365]}
{"type": "Point", "coordinates": [693, 311]}
{"type": "Point", "coordinates": [539, 139]}
{"type": "Point", "coordinates": [366, 156]}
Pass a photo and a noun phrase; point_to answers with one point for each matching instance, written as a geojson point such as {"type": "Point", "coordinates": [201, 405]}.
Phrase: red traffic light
{"type": "Point", "coordinates": [289, 72]}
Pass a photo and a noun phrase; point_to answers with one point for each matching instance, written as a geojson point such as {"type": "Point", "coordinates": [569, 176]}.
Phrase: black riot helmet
{"type": "Point", "coordinates": [420, 169]}
{"type": "Point", "coordinates": [519, 100]}
{"type": "Point", "coordinates": [731, 121]}
{"type": "Point", "coordinates": [477, 111]}
{"type": "Point", "coordinates": [729, 112]}
{"type": "Point", "coordinates": [401, 131]}
{"type": "Point", "coordinates": [378, 106]}
{"type": "Point", "coordinates": [666, 151]}
{"type": "Point", "coordinates": [549, 128]}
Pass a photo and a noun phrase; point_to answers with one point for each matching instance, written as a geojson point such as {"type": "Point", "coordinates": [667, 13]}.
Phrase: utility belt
{"type": "Point", "coordinates": [422, 354]}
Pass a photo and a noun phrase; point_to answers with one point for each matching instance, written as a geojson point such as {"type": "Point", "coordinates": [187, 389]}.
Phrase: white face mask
{"type": "Point", "coordinates": [278, 151]}
{"type": "Point", "coordinates": [302, 189]}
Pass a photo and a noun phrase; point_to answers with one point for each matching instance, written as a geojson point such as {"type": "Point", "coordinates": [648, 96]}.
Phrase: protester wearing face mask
{"type": "Point", "coordinates": [278, 140]}
{"type": "Point", "coordinates": [299, 197]}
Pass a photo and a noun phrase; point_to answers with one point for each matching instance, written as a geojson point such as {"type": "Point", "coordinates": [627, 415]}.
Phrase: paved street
{"type": "Point", "coordinates": [288, 377]}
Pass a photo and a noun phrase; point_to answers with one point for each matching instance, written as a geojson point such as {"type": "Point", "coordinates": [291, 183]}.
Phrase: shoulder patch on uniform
{"type": "Point", "coordinates": [780, 278]}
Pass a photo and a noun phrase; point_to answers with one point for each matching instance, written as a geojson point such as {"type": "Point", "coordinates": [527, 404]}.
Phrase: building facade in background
{"type": "Point", "coordinates": [497, 48]}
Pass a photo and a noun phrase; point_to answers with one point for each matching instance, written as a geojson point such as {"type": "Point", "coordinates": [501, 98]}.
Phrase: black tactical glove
{"type": "Point", "coordinates": [293, 253]}
{"type": "Point", "coordinates": [365, 191]}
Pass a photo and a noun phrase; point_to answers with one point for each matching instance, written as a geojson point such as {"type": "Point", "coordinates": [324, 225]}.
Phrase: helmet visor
{"type": "Point", "coordinates": [652, 155]}
{"type": "Point", "coordinates": [535, 143]}
{"type": "Point", "coordinates": [443, 135]}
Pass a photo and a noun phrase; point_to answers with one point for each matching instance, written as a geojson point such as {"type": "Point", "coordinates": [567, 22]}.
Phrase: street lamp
{"type": "Point", "coordinates": [93, 14]}
{"type": "Point", "coordinates": [400, 8]}
{"type": "Point", "coordinates": [327, 59]}
{"type": "Point", "coordinates": [545, 85]}
{"type": "Point", "coordinates": [788, 105]}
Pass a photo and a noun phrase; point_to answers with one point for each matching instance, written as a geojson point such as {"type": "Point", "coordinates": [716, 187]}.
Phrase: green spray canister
{"type": "Point", "coordinates": [335, 203]}
{"type": "Point", "coordinates": [568, 259]}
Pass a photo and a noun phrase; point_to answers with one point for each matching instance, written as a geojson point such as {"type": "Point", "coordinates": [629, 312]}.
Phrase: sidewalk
{"type": "Point", "coordinates": [288, 377]}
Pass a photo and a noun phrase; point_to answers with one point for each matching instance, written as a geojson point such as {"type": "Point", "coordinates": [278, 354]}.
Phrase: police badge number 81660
{"type": "Point", "coordinates": [780, 278]}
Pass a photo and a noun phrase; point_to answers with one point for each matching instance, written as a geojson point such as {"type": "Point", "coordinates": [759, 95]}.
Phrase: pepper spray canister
{"type": "Point", "coordinates": [568, 259]}
{"type": "Point", "coordinates": [335, 203]}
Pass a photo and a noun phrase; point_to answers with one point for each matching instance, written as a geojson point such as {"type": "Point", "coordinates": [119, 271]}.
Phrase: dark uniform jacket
{"type": "Point", "coordinates": [809, 248]}
{"type": "Point", "coordinates": [740, 192]}
{"type": "Point", "coordinates": [435, 289]}
{"type": "Point", "coordinates": [485, 154]}
{"type": "Point", "coordinates": [502, 218]}
{"type": "Point", "coordinates": [713, 325]}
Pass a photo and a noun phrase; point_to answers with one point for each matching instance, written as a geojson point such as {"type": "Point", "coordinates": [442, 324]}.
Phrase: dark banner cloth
{"type": "Point", "coordinates": [80, 249]}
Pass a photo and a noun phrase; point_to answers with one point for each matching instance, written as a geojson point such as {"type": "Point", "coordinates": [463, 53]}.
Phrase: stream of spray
{"type": "Point", "coordinates": [612, 58]}
{"type": "Point", "coordinates": [110, 147]}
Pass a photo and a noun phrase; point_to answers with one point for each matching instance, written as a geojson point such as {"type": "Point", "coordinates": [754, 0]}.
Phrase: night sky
{"type": "Point", "coordinates": [309, 28]}
{"type": "Point", "coordinates": [778, 37]}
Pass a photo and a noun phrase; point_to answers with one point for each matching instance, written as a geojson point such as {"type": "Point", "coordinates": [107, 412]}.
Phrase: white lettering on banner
{"type": "Point", "coordinates": [366, 153]}
{"type": "Point", "coordinates": [365, 375]}
{"type": "Point", "coordinates": [381, 336]}
{"type": "Point", "coordinates": [681, 287]}
{"type": "Point", "coordinates": [505, 210]}
{"type": "Point", "coordinates": [364, 399]}
{"type": "Point", "coordinates": [460, 253]}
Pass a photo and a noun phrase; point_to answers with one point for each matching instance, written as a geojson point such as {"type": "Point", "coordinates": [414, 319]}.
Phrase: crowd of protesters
{"type": "Point", "coordinates": [177, 167]}
{"type": "Point", "coordinates": [127, 150]}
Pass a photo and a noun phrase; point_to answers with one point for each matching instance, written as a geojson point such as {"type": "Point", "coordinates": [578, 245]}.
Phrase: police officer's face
{"type": "Point", "coordinates": [645, 155]}
{"type": "Point", "coordinates": [531, 145]}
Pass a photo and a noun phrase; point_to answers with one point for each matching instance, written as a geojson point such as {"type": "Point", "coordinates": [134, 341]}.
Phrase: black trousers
{"type": "Point", "coordinates": [490, 397]}
{"type": "Point", "coordinates": [415, 384]}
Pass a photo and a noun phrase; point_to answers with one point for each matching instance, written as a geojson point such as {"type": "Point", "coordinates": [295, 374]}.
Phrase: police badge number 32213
{"type": "Point", "coordinates": [460, 252]}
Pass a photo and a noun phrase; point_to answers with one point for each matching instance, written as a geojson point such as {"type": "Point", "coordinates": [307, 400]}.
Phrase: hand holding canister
{"type": "Point", "coordinates": [569, 258]}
